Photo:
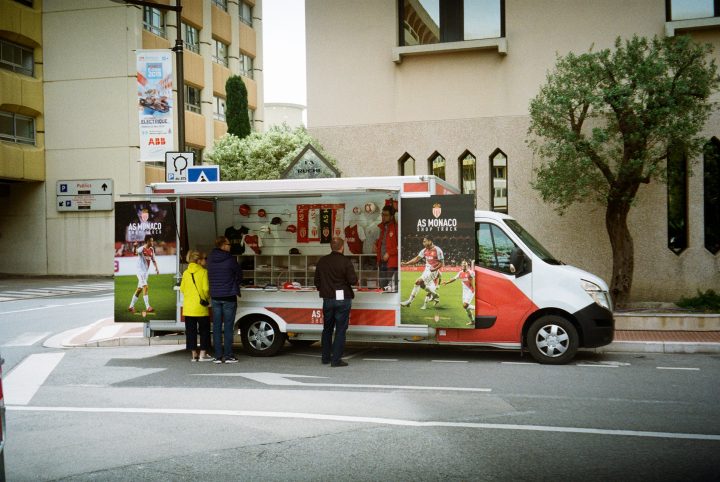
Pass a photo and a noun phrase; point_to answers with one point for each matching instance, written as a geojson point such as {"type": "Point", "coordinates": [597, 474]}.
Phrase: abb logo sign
{"type": "Point", "coordinates": [156, 141]}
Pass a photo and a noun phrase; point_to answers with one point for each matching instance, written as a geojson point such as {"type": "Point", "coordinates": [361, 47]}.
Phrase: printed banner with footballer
{"type": "Point", "coordinates": [437, 284]}
{"type": "Point", "coordinates": [145, 261]}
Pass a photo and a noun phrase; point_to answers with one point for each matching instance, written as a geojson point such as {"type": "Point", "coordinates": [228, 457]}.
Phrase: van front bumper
{"type": "Point", "coordinates": [597, 326]}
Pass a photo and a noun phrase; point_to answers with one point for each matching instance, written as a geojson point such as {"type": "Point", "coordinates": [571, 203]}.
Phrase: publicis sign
{"type": "Point", "coordinates": [155, 104]}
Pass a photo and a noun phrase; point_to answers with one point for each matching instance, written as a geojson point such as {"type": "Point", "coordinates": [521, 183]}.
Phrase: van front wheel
{"type": "Point", "coordinates": [262, 337]}
{"type": "Point", "coordinates": [552, 340]}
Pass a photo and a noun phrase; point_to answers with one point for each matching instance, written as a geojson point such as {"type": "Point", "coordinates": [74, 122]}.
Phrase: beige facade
{"type": "Point", "coordinates": [373, 102]}
{"type": "Point", "coordinates": [82, 98]}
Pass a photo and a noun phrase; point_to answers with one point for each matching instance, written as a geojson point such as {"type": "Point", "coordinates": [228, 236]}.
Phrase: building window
{"type": "Point", "coordinates": [192, 99]}
{"type": "Point", "coordinates": [436, 165]}
{"type": "Point", "coordinates": [690, 9]}
{"type": "Point", "coordinates": [16, 58]}
{"type": "Point", "coordinates": [220, 53]}
{"type": "Point", "coordinates": [677, 199]}
{"type": "Point", "coordinates": [198, 153]}
{"type": "Point", "coordinates": [154, 21]}
{"type": "Point", "coordinates": [711, 195]}
{"type": "Point", "coordinates": [406, 165]}
{"type": "Point", "coordinates": [222, 4]}
{"type": "Point", "coordinates": [219, 108]}
{"type": "Point", "coordinates": [435, 21]}
{"type": "Point", "coordinates": [246, 66]}
{"type": "Point", "coordinates": [191, 37]}
{"type": "Point", "coordinates": [246, 13]}
{"type": "Point", "coordinates": [17, 128]}
{"type": "Point", "coordinates": [468, 164]}
{"type": "Point", "coordinates": [499, 181]}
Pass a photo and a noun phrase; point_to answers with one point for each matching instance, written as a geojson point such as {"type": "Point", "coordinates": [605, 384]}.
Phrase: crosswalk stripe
{"type": "Point", "coordinates": [27, 339]}
{"type": "Point", "coordinates": [21, 384]}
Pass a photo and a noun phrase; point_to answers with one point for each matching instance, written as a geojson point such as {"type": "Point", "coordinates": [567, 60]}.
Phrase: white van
{"type": "Point", "coordinates": [524, 298]}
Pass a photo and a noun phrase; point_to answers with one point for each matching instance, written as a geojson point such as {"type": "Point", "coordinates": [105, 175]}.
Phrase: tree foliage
{"type": "Point", "coordinates": [261, 155]}
{"type": "Point", "coordinates": [236, 107]}
{"type": "Point", "coordinates": [603, 122]}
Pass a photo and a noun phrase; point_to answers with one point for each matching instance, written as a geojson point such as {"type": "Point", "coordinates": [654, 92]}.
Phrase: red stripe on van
{"type": "Point", "coordinates": [199, 205]}
{"type": "Point", "coordinates": [415, 187]}
{"type": "Point", "coordinates": [310, 316]}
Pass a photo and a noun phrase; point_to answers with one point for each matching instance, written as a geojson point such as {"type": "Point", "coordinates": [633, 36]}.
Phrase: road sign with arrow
{"type": "Point", "coordinates": [85, 195]}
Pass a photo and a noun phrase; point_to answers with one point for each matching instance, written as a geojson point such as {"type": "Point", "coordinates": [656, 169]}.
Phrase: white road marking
{"type": "Point", "coordinates": [595, 366]}
{"type": "Point", "coordinates": [371, 420]}
{"type": "Point", "coordinates": [97, 300]}
{"type": "Point", "coordinates": [282, 379]}
{"type": "Point", "coordinates": [381, 359]}
{"type": "Point", "coordinates": [449, 361]}
{"type": "Point", "coordinates": [27, 339]}
{"type": "Point", "coordinates": [21, 384]}
{"type": "Point", "coordinates": [518, 363]}
{"type": "Point", "coordinates": [678, 368]}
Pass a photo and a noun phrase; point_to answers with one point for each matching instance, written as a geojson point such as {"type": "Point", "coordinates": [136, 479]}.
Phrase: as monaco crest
{"type": "Point", "coordinates": [436, 210]}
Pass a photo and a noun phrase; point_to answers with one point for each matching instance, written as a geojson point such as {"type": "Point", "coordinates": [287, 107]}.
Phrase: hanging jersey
{"type": "Point", "coordinates": [235, 236]}
{"type": "Point", "coordinates": [353, 238]}
{"type": "Point", "coordinates": [253, 242]}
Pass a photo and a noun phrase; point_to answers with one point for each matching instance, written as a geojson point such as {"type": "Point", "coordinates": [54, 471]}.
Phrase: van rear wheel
{"type": "Point", "coordinates": [262, 337]}
{"type": "Point", "coordinates": [552, 340]}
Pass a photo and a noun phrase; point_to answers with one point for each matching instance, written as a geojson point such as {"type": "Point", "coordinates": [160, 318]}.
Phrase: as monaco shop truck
{"type": "Point", "coordinates": [523, 298]}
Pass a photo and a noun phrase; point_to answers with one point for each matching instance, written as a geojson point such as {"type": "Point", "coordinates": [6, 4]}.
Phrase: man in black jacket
{"type": "Point", "coordinates": [334, 279]}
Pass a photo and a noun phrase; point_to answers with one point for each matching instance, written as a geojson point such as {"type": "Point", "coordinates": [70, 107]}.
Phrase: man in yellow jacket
{"type": "Point", "coordinates": [196, 299]}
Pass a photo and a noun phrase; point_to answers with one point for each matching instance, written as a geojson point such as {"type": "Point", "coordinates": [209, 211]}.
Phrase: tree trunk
{"type": "Point", "coordinates": [622, 250]}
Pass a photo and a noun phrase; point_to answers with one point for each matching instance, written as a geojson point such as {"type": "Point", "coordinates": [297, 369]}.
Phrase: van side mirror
{"type": "Point", "coordinates": [519, 263]}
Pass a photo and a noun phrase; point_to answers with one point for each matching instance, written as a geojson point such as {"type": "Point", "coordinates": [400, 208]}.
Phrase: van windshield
{"type": "Point", "coordinates": [531, 242]}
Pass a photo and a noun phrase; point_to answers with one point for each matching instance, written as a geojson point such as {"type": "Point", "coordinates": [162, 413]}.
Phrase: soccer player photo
{"type": "Point", "coordinates": [438, 236]}
{"type": "Point", "coordinates": [145, 260]}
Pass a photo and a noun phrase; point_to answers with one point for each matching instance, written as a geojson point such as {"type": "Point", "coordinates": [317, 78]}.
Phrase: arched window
{"type": "Point", "coordinates": [711, 195]}
{"type": "Point", "coordinates": [677, 226]}
{"type": "Point", "coordinates": [499, 181]}
{"type": "Point", "coordinates": [406, 165]}
{"type": "Point", "coordinates": [467, 166]}
{"type": "Point", "coordinates": [436, 165]}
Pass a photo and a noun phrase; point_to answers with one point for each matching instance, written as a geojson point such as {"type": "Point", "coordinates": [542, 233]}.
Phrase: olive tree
{"type": "Point", "coordinates": [602, 124]}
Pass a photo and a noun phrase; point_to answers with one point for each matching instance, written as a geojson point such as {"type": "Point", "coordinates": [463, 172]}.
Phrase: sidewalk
{"type": "Point", "coordinates": [107, 333]}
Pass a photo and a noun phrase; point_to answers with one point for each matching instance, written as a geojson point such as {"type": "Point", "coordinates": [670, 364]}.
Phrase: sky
{"type": "Point", "coordinates": [284, 51]}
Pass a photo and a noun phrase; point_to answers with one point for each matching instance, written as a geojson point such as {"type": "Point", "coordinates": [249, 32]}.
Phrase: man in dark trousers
{"type": "Point", "coordinates": [334, 279]}
{"type": "Point", "coordinates": [225, 277]}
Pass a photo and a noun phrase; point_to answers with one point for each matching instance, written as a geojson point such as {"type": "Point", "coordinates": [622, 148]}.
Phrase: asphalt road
{"type": "Point", "coordinates": [396, 413]}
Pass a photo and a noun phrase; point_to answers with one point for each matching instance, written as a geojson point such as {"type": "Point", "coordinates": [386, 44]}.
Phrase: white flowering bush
{"type": "Point", "coordinates": [261, 155]}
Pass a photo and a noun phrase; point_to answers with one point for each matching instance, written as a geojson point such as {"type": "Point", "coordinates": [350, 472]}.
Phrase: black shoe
{"type": "Point", "coordinates": [325, 362]}
{"type": "Point", "coordinates": [339, 364]}
{"type": "Point", "coordinates": [231, 359]}
{"type": "Point", "coordinates": [218, 360]}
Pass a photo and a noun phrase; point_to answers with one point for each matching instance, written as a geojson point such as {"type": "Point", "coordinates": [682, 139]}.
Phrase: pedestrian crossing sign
{"type": "Point", "coordinates": [203, 173]}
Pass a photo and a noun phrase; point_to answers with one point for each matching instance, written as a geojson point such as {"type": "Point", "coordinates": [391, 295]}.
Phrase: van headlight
{"type": "Point", "coordinates": [598, 295]}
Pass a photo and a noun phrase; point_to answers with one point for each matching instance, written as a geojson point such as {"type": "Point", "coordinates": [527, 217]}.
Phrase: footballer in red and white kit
{"type": "Point", "coordinates": [145, 256]}
{"type": "Point", "coordinates": [467, 276]}
{"type": "Point", "coordinates": [434, 260]}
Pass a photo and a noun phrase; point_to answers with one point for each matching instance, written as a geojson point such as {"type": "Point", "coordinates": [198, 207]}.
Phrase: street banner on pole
{"type": "Point", "coordinates": [154, 88]}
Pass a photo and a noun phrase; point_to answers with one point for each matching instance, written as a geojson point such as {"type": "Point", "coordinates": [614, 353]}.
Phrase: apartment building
{"type": "Point", "coordinates": [443, 87]}
{"type": "Point", "coordinates": [69, 111]}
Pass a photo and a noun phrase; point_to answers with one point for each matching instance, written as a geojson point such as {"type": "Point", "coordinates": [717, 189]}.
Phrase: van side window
{"type": "Point", "coordinates": [493, 247]}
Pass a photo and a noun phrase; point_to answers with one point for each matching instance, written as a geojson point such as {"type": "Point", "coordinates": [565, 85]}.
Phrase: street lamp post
{"type": "Point", "coordinates": [178, 49]}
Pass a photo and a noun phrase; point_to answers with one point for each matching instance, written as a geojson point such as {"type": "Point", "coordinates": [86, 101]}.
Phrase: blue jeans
{"type": "Point", "coordinates": [336, 315]}
{"type": "Point", "coordinates": [223, 323]}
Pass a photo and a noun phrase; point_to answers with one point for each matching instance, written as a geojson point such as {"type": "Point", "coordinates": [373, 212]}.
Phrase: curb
{"type": "Point", "coordinates": [676, 347]}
